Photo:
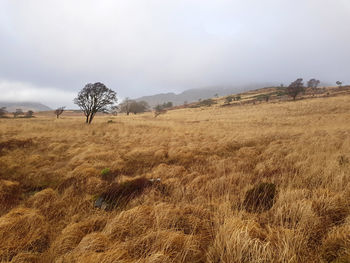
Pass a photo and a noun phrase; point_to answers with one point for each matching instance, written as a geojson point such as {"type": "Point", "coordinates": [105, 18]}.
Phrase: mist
{"type": "Point", "coordinates": [50, 49]}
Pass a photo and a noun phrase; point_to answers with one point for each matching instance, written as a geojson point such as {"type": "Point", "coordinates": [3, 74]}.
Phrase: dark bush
{"type": "Point", "coordinates": [260, 198]}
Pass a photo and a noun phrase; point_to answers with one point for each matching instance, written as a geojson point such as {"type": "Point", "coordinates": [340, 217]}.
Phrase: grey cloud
{"type": "Point", "coordinates": [143, 47]}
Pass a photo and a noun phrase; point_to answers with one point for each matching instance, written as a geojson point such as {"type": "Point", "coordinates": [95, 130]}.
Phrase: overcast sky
{"type": "Point", "coordinates": [49, 49]}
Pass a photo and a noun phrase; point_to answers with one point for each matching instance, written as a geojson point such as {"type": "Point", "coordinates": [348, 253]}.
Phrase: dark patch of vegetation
{"type": "Point", "coordinates": [207, 102]}
{"type": "Point", "coordinates": [164, 106]}
{"type": "Point", "coordinates": [119, 194]}
{"type": "Point", "coordinates": [15, 144]}
{"type": "Point", "coordinates": [260, 198]}
{"type": "Point", "coordinates": [3, 112]}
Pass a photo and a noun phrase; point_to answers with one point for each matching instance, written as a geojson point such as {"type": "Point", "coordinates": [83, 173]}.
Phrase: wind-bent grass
{"type": "Point", "coordinates": [207, 159]}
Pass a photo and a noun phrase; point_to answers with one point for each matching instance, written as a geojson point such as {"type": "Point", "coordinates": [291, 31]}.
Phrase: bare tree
{"type": "Point", "coordinates": [313, 83]}
{"type": "Point", "coordinates": [17, 113]}
{"type": "Point", "coordinates": [125, 106]}
{"type": "Point", "coordinates": [59, 111]}
{"type": "Point", "coordinates": [3, 112]}
{"type": "Point", "coordinates": [295, 88]}
{"type": "Point", "coordinates": [95, 98]}
{"type": "Point", "coordinates": [139, 107]}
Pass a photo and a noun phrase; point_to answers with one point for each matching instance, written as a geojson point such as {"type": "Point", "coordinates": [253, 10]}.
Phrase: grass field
{"type": "Point", "coordinates": [206, 158]}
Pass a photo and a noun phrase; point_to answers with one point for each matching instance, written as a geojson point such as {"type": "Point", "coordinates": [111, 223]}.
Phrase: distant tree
{"type": "Point", "coordinates": [237, 98]}
{"type": "Point", "coordinates": [216, 95]}
{"type": "Point", "coordinates": [18, 112]}
{"type": "Point", "coordinates": [313, 83]}
{"type": "Point", "coordinates": [263, 97]}
{"type": "Point", "coordinates": [164, 106]}
{"type": "Point", "coordinates": [3, 112]}
{"type": "Point", "coordinates": [295, 88]}
{"type": "Point", "coordinates": [95, 98]}
{"type": "Point", "coordinates": [229, 99]}
{"type": "Point", "coordinates": [339, 83]}
{"type": "Point", "coordinates": [29, 114]}
{"type": "Point", "coordinates": [207, 102]}
{"type": "Point", "coordinates": [168, 104]}
{"type": "Point", "coordinates": [138, 107]}
{"type": "Point", "coordinates": [125, 106]}
{"type": "Point", "coordinates": [114, 110]}
{"type": "Point", "coordinates": [59, 111]}
{"type": "Point", "coordinates": [185, 103]}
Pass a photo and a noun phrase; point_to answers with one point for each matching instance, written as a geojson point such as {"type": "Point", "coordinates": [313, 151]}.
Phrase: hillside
{"type": "Point", "coordinates": [25, 106]}
{"type": "Point", "coordinates": [193, 95]}
{"type": "Point", "coordinates": [264, 182]}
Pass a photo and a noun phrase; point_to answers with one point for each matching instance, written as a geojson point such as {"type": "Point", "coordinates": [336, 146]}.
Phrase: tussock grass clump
{"type": "Point", "coordinates": [74, 233]}
{"type": "Point", "coordinates": [119, 194]}
{"type": "Point", "coordinates": [9, 195]}
{"type": "Point", "coordinates": [260, 198]}
{"type": "Point", "coordinates": [15, 144]}
{"type": "Point", "coordinates": [23, 230]}
{"type": "Point", "coordinates": [336, 245]}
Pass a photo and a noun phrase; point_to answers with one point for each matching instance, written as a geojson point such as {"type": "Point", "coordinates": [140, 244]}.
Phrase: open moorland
{"type": "Point", "coordinates": [258, 182]}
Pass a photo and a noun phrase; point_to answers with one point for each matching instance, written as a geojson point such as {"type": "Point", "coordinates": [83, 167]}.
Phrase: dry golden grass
{"type": "Point", "coordinates": [207, 160]}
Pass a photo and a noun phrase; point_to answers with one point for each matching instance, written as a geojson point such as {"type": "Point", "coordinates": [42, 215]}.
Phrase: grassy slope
{"type": "Point", "coordinates": [207, 158]}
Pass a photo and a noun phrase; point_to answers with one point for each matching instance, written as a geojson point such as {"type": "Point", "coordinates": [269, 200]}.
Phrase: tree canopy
{"type": "Point", "coordinates": [95, 98]}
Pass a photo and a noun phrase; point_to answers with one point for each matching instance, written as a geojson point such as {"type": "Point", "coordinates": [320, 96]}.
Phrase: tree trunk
{"type": "Point", "coordinates": [91, 117]}
{"type": "Point", "coordinates": [87, 118]}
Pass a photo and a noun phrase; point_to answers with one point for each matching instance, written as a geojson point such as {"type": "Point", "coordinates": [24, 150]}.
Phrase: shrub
{"type": "Point", "coordinates": [260, 198]}
{"type": "Point", "coordinates": [207, 102]}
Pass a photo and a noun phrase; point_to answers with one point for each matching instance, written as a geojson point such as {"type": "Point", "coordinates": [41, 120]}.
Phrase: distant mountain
{"type": "Point", "coordinates": [193, 95]}
{"type": "Point", "coordinates": [25, 106]}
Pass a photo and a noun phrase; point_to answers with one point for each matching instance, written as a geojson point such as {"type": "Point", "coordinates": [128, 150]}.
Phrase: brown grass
{"type": "Point", "coordinates": [208, 159]}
